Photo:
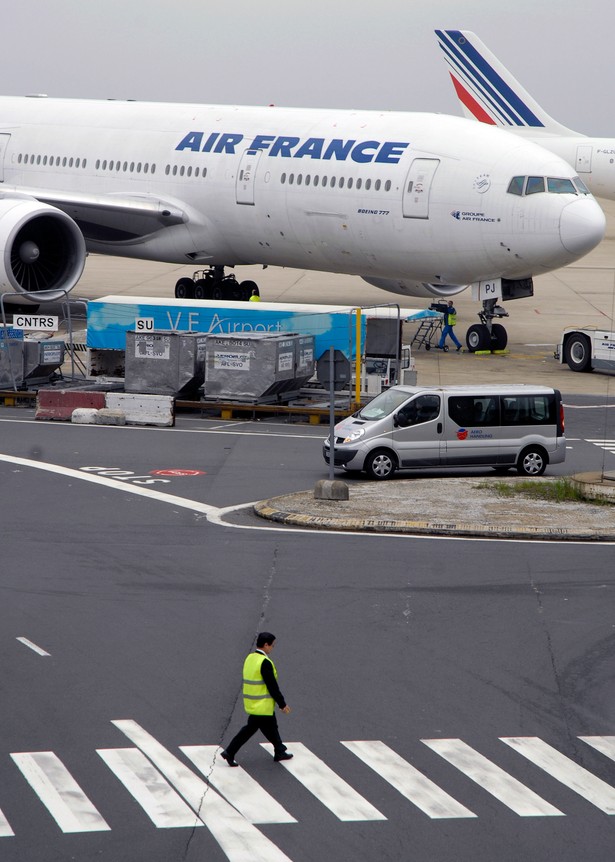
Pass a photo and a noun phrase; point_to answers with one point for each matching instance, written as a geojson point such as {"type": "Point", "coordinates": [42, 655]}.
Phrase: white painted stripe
{"type": "Point", "coordinates": [33, 646]}
{"type": "Point", "coordinates": [604, 744]}
{"type": "Point", "coordinates": [161, 803]}
{"type": "Point", "coordinates": [239, 839]}
{"type": "Point", "coordinates": [411, 783]}
{"type": "Point", "coordinates": [5, 828]}
{"type": "Point", "coordinates": [491, 778]}
{"type": "Point", "coordinates": [204, 508]}
{"type": "Point", "coordinates": [237, 786]}
{"type": "Point", "coordinates": [566, 771]}
{"type": "Point", "coordinates": [338, 796]}
{"type": "Point", "coordinates": [59, 792]}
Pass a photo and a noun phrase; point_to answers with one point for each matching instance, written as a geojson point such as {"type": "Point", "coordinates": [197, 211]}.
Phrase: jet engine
{"type": "Point", "coordinates": [42, 251]}
{"type": "Point", "coordinates": [415, 288]}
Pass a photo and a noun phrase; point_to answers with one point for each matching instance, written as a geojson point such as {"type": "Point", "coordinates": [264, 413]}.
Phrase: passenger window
{"type": "Point", "coordinates": [515, 187]}
{"type": "Point", "coordinates": [560, 187]}
{"type": "Point", "coordinates": [421, 409]}
{"type": "Point", "coordinates": [528, 410]}
{"type": "Point", "coordinates": [535, 185]}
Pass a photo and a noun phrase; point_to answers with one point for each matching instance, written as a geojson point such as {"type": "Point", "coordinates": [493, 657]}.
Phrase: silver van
{"type": "Point", "coordinates": [409, 427]}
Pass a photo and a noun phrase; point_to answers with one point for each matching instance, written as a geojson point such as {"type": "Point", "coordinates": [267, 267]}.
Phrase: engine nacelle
{"type": "Point", "coordinates": [42, 251]}
{"type": "Point", "coordinates": [415, 288]}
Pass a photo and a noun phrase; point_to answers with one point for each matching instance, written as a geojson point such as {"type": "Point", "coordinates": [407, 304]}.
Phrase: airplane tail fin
{"type": "Point", "coordinates": [487, 90]}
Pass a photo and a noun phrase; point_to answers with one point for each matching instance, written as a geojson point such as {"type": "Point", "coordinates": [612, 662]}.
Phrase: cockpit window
{"type": "Point", "coordinates": [535, 185]}
{"type": "Point", "coordinates": [581, 186]}
{"type": "Point", "coordinates": [516, 186]}
{"type": "Point", "coordinates": [560, 187]}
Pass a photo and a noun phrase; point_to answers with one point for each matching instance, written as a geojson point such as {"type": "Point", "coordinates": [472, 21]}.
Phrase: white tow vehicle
{"type": "Point", "coordinates": [409, 427]}
{"type": "Point", "coordinates": [587, 348]}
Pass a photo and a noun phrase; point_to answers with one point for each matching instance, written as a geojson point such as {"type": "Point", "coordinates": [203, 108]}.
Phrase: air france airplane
{"type": "Point", "coordinates": [418, 204]}
{"type": "Point", "coordinates": [489, 93]}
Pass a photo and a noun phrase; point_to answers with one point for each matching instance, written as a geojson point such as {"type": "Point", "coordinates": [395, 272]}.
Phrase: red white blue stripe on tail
{"type": "Point", "coordinates": [486, 90]}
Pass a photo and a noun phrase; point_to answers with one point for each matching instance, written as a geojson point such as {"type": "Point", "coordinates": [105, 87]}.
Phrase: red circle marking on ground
{"type": "Point", "coordinates": [177, 472]}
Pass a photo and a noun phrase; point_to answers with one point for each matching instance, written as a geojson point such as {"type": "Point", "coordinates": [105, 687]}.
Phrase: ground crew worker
{"type": "Point", "coordinates": [260, 695]}
{"type": "Point", "coordinates": [254, 297]}
{"type": "Point", "coordinates": [450, 319]}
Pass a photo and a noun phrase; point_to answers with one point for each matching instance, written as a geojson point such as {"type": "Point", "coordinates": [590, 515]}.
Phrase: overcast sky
{"type": "Point", "coordinates": [378, 54]}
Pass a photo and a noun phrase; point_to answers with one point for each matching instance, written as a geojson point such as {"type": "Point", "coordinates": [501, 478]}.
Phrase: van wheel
{"type": "Point", "coordinates": [578, 353]}
{"type": "Point", "coordinates": [380, 464]}
{"type": "Point", "coordinates": [532, 461]}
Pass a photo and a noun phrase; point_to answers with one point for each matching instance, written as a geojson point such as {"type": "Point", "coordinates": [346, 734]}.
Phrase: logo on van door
{"type": "Point", "coordinates": [462, 434]}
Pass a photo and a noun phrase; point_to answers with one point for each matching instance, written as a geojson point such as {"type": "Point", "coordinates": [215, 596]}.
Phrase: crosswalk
{"type": "Point", "coordinates": [603, 443]}
{"type": "Point", "coordinates": [231, 804]}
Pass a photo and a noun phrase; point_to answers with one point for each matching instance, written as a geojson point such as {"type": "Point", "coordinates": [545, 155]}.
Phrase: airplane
{"type": "Point", "coordinates": [419, 204]}
{"type": "Point", "coordinates": [489, 92]}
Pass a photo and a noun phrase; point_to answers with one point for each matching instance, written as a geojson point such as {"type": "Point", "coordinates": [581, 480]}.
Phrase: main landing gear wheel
{"type": "Point", "coordinates": [184, 289]}
{"type": "Point", "coordinates": [478, 337]}
{"type": "Point", "coordinates": [578, 353]}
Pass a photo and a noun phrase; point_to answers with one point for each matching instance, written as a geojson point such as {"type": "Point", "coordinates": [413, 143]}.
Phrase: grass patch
{"type": "Point", "coordinates": [556, 490]}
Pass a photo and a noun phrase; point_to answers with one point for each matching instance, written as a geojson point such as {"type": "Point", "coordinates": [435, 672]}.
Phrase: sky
{"type": "Point", "coordinates": [375, 54]}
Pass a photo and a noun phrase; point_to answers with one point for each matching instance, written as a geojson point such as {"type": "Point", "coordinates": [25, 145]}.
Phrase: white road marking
{"type": "Point", "coordinates": [5, 828]}
{"type": "Point", "coordinates": [566, 771]}
{"type": "Point", "coordinates": [161, 803]}
{"type": "Point", "coordinates": [196, 506]}
{"type": "Point", "coordinates": [59, 792]}
{"type": "Point", "coordinates": [411, 783]}
{"type": "Point", "coordinates": [237, 786]}
{"type": "Point", "coordinates": [491, 778]}
{"type": "Point", "coordinates": [335, 793]}
{"type": "Point", "coordinates": [604, 744]}
{"type": "Point", "coordinates": [239, 839]}
{"type": "Point", "coordinates": [33, 646]}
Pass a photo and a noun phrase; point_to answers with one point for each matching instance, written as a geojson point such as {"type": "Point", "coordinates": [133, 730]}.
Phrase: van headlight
{"type": "Point", "coordinates": [356, 435]}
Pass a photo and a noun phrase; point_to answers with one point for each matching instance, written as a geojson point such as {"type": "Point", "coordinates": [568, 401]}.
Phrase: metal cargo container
{"type": "Point", "coordinates": [164, 363]}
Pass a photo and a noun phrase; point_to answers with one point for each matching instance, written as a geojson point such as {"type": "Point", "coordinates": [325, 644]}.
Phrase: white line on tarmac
{"type": "Point", "coordinates": [33, 646]}
{"type": "Point", "coordinates": [216, 514]}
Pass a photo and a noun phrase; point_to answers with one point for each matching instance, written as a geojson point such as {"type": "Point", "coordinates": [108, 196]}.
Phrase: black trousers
{"type": "Point", "coordinates": [268, 726]}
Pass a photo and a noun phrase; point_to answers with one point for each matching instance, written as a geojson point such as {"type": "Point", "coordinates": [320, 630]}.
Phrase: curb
{"type": "Point", "coordinates": [267, 509]}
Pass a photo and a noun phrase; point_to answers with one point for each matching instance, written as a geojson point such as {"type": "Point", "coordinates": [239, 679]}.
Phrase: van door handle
{"type": "Point", "coordinates": [439, 427]}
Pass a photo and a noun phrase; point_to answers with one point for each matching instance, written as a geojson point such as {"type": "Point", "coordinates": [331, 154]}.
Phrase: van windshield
{"type": "Point", "coordinates": [383, 405]}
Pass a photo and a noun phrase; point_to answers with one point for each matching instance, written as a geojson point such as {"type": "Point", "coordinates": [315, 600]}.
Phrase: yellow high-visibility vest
{"type": "Point", "coordinates": [256, 697]}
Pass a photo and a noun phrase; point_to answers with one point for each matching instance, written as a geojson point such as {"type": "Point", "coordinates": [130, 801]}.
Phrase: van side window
{"type": "Point", "coordinates": [421, 409]}
{"type": "Point", "coordinates": [528, 410]}
{"type": "Point", "coordinates": [474, 411]}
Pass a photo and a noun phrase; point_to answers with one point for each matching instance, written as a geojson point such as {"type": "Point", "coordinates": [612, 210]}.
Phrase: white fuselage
{"type": "Point", "coordinates": [418, 197]}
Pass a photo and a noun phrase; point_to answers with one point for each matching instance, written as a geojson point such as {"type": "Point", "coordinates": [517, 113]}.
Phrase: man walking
{"type": "Point", "coordinates": [450, 319]}
{"type": "Point", "coordinates": [260, 695]}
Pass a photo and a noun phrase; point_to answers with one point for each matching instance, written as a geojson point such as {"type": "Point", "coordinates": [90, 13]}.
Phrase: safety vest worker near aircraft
{"type": "Point", "coordinates": [450, 319]}
{"type": "Point", "coordinates": [255, 297]}
{"type": "Point", "coordinates": [260, 695]}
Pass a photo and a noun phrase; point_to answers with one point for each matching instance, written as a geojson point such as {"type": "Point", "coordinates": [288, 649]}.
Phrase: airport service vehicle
{"type": "Point", "coordinates": [418, 204]}
{"type": "Point", "coordinates": [587, 348]}
{"type": "Point", "coordinates": [409, 427]}
{"type": "Point", "coordinates": [490, 93]}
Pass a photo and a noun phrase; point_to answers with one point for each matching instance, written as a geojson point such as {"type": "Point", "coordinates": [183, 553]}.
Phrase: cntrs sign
{"type": "Point", "coordinates": [35, 322]}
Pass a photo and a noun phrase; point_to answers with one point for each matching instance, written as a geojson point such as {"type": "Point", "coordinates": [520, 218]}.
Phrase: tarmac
{"type": "Point", "coordinates": [447, 506]}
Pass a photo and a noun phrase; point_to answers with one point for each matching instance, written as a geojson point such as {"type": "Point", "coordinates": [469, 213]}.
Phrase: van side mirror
{"type": "Point", "coordinates": [400, 420]}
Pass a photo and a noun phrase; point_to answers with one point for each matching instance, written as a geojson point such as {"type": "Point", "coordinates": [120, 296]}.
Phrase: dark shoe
{"type": "Point", "coordinates": [284, 756]}
{"type": "Point", "coordinates": [459, 350]}
{"type": "Point", "coordinates": [230, 760]}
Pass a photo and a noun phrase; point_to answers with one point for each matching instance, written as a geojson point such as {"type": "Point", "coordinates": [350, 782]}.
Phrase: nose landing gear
{"type": "Point", "coordinates": [488, 335]}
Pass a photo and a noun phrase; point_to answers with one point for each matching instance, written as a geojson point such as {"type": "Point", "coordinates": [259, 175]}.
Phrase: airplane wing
{"type": "Point", "coordinates": [112, 217]}
{"type": "Point", "coordinates": [488, 92]}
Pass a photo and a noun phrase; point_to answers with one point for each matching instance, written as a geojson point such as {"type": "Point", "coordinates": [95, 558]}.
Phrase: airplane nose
{"type": "Point", "coordinates": [581, 226]}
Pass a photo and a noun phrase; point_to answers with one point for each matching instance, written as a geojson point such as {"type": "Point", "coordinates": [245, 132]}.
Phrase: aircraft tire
{"type": "Point", "coordinates": [499, 337]}
{"type": "Point", "coordinates": [478, 338]}
{"type": "Point", "coordinates": [578, 353]}
{"type": "Point", "coordinates": [184, 289]}
{"type": "Point", "coordinates": [246, 288]}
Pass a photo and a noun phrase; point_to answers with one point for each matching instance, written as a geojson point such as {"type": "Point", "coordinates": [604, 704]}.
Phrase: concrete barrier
{"type": "Point", "coordinates": [60, 403]}
{"type": "Point", "coordinates": [143, 409]}
{"type": "Point", "coordinates": [109, 416]}
{"type": "Point", "coordinates": [84, 416]}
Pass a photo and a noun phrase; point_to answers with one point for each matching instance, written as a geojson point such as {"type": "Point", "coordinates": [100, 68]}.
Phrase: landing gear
{"type": "Point", "coordinates": [487, 335]}
{"type": "Point", "coordinates": [212, 283]}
